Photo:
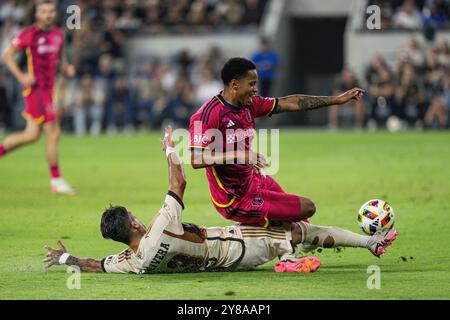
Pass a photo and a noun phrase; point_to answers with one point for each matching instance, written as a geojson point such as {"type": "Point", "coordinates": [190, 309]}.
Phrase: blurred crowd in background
{"type": "Point", "coordinates": [415, 90]}
{"type": "Point", "coordinates": [110, 94]}
{"type": "Point", "coordinates": [413, 14]}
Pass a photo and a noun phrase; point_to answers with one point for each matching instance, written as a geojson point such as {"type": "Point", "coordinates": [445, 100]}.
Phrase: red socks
{"type": "Point", "coordinates": [2, 150]}
{"type": "Point", "coordinates": [54, 172]}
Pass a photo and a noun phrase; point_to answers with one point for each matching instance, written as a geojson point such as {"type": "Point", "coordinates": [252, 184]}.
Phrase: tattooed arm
{"type": "Point", "coordinates": [296, 103]}
{"type": "Point", "coordinates": [85, 265]}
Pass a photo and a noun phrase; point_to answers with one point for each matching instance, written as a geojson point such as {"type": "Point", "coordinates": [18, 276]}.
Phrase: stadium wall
{"type": "Point", "coordinates": [232, 44]}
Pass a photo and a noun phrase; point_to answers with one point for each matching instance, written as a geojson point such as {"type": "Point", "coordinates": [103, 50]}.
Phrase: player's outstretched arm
{"type": "Point", "coordinates": [60, 256]}
{"type": "Point", "coordinates": [297, 103]}
{"type": "Point", "coordinates": [177, 179]}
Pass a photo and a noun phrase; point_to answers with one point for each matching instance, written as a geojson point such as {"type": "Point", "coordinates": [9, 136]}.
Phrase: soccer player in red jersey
{"type": "Point", "coordinates": [239, 191]}
{"type": "Point", "coordinates": [43, 45]}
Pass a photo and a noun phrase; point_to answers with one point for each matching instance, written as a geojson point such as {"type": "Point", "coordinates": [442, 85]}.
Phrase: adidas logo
{"type": "Point", "coordinates": [230, 123]}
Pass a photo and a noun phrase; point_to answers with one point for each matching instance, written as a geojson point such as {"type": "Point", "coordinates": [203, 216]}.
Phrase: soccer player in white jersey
{"type": "Point", "coordinates": [169, 245]}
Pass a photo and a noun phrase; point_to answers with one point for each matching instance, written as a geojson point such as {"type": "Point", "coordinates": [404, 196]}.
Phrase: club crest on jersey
{"type": "Point", "coordinates": [257, 202]}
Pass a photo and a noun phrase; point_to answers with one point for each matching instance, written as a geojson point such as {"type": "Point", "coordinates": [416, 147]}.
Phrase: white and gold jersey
{"type": "Point", "coordinates": [172, 246]}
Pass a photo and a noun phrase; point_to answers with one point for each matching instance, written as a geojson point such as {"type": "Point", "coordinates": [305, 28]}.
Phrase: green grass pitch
{"type": "Point", "coordinates": [338, 171]}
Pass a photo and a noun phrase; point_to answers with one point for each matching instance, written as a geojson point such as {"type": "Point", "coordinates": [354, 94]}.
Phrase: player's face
{"type": "Point", "coordinates": [136, 224]}
{"type": "Point", "coordinates": [247, 88]}
{"type": "Point", "coordinates": [46, 14]}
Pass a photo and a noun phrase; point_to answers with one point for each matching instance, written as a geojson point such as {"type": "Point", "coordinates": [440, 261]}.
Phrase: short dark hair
{"type": "Point", "coordinates": [115, 224]}
{"type": "Point", "coordinates": [236, 68]}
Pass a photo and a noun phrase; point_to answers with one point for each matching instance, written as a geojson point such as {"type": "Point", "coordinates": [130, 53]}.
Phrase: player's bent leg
{"type": "Point", "coordinates": [30, 134]}
{"type": "Point", "coordinates": [281, 206]}
{"type": "Point", "coordinates": [308, 208]}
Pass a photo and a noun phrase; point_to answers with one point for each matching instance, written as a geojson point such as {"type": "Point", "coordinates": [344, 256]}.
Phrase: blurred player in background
{"type": "Point", "coordinates": [169, 245]}
{"type": "Point", "coordinates": [346, 81]}
{"type": "Point", "coordinates": [43, 44]}
{"type": "Point", "coordinates": [267, 62]}
{"type": "Point", "coordinates": [239, 191]}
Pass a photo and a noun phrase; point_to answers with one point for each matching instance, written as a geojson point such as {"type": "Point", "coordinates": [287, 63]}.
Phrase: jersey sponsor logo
{"type": "Point", "coordinates": [230, 124]}
{"type": "Point", "coordinates": [41, 40]}
{"type": "Point", "coordinates": [201, 139]}
{"type": "Point", "coordinates": [43, 49]}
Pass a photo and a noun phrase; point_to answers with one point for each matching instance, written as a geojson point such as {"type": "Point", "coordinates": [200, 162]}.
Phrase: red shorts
{"type": "Point", "coordinates": [39, 106]}
{"type": "Point", "coordinates": [265, 199]}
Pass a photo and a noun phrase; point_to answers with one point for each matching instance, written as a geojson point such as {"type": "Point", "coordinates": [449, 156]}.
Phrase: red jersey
{"type": "Point", "coordinates": [43, 49]}
{"type": "Point", "coordinates": [235, 127]}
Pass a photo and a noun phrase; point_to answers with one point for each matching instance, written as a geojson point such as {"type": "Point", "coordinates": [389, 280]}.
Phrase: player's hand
{"type": "Point", "coordinates": [257, 161]}
{"type": "Point", "coordinates": [69, 71]}
{"type": "Point", "coordinates": [261, 162]}
{"type": "Point", "coordinates": [53, 255]}
{"type": "Point", "coordinates": [27, 80]}
{"type": "Point", "coordinates": [352, 94]}
{"type": "Point", "coordinates": [167, 140]}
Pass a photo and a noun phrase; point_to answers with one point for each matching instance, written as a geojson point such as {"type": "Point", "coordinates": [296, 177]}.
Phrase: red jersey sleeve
{"type": "Point", "coordinates": [22, 40]}
{"type": "Point", "coordinates": [201, 128]}
{"type": "Point", "coordinates": [263, 107]}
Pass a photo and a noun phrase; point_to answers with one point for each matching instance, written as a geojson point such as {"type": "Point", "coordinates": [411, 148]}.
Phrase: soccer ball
{"type": "Point", "coordinates": [394, 124]}
{"type": "Point", "coordinates": [376, 216]}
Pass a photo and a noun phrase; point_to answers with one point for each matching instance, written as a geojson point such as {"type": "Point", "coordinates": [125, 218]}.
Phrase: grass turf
{"type": "Point", "coordinates": [338, 171]}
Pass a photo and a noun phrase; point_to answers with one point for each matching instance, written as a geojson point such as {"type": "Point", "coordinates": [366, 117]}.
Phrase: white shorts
{"type": "Point", "coordinates": [263, 245]}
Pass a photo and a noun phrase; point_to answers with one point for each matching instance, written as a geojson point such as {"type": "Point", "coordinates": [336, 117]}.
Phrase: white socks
{"type": "Point", "coordinates": [329, 237]}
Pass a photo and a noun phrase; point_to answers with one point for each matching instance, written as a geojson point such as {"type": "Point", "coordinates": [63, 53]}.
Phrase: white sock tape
{"type": "Point", "coordinates": [63, 258]}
